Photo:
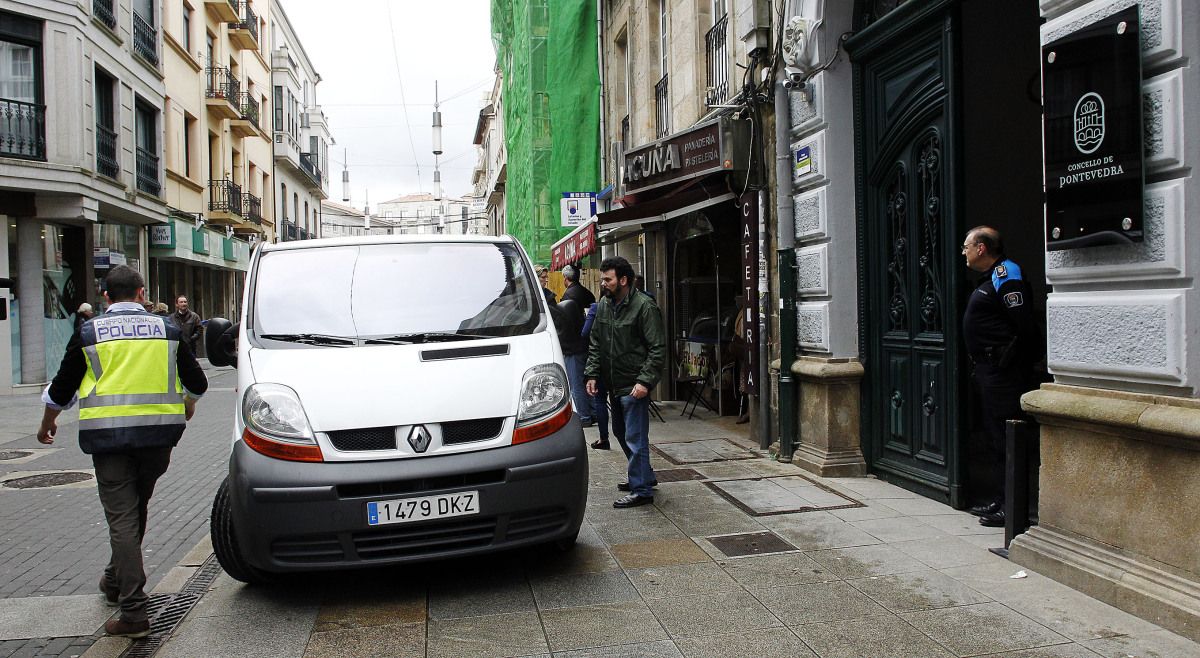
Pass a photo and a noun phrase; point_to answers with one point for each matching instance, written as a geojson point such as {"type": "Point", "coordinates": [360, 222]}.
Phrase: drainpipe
{"type": "Point", "coordinates": [789, 433]}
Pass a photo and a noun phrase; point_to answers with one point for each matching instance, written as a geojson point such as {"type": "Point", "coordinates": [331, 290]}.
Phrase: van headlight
{"type": "Point", "coordinates": [543, 391]}
{"type": "Point", "coordinates": [273, 411]}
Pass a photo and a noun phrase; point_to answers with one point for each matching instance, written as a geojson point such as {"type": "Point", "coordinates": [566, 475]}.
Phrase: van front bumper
{"type": "Point", "coordinates": [297, 516]}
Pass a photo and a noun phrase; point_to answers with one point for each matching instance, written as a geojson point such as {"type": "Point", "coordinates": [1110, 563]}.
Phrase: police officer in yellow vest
{"type": "Point", "coordinates": [137, 382]}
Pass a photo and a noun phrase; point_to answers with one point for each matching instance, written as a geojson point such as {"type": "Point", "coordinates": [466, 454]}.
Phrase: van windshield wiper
{"type": "Point", "coordinates": [310, 339]}
{"type": "Point", "coordinates": [423, 337]}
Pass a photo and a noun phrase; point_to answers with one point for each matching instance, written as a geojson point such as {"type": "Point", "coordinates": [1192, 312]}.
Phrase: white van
{"type": "Point", "coordinates": [400, 398]}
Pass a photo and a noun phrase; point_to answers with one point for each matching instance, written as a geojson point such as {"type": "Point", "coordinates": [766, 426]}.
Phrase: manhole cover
{"type": "Point", "coordinates": [13, 454]}
{"type": "Point", "coordinates": [751, 543]}
{"type": "Point", "coordinates": [47, 480]}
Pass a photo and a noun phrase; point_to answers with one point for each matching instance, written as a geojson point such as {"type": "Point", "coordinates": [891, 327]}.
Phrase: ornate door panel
{"type": "Point", "coordinates": [908, 314]}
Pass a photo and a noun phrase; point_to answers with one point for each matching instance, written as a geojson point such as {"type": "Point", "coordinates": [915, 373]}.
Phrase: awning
{"type": "Point", "coordinates": [574, 246]}
{"type": "Point", "coordinates": [618, 224]}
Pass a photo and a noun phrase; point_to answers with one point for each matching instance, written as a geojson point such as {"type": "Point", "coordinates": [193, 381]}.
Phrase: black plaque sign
{"type": "Point", "coordinates": [1092, 89]}
{"type": "Point", "coordinates": [719, 145]}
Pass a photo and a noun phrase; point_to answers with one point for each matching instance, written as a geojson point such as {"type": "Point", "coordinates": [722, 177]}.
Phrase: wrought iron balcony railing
{"type": "Point", "coordinates": [289, 231]}
{"type": "Point", "coordinates": [221, 84]}
{"type": "Point", "coordinates": [248, 21]}
{"type": "Point", "coordinates": [147, 172]}
{"type": "Point", "coordinates": [234, 4]}
{"type": "Point", "coordinates": [224, 196]}
{"type": "Point", "coordinates": [662, 109]}
{"type": "Point", "coordinates": [716, 49]}
{"type": "Point", "coordinates": [252, 207]}
{"type": "Point", "coordinates": [248, 106]}
{"type": "Point", "coordinates": [145, 39]}
{"type": "Point", "coordinates": [22, 130]}
{"type": "Point", "coordinates": [106, 151]}
{"type": "Point", "coordinates": [308, 162]}
{"type": "Point", "coordinates": [103, 10]}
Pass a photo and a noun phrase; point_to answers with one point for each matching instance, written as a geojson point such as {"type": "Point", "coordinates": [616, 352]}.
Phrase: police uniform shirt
{"type": "Point", "coordinates": [999, 309]}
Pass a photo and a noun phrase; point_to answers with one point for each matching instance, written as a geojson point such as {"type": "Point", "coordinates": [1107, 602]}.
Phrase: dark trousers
{"type": "Point", "coordinates": [616, 417]}
{"type": "Point", "coordinates": [1000, 392]}
{"type": "Point", "coordinates": [126, 482]}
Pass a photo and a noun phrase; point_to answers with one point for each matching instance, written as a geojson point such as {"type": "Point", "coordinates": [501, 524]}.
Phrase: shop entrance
{"type": "Point", "coordinates": [948, 115]}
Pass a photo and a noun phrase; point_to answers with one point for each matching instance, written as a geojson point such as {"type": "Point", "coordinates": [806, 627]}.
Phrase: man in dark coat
{"type": "Point", "coordinates": [187, 321]}
{"type": "Point", "coordinates": [575, 348]}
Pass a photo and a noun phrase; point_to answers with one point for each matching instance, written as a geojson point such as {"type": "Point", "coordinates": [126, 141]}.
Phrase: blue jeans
{"type": "Point", "coordinates": [632, 428]}
{"type": "Point", "coordinates": [600, 410]}
{"type": "Point", "coordinates": [579, 396]}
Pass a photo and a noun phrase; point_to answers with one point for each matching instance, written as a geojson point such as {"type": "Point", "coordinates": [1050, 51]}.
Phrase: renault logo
{"type": "Point", "coordinates": [418, 438]}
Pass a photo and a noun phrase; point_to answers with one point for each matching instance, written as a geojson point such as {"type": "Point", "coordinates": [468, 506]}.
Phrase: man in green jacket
{"type": "Point", "coordinates": [626, 353]}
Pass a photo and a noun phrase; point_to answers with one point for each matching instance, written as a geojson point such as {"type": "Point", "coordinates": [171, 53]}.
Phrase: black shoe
{"type": "Point", "coordinates": [599, 445]}
{"type": "Point", "coordinates": [984, 510]}
{"type": "Point", "coordinates": [632, 500]}
{"type": "Point", "coordinates": [994, 520]}
{"type": "Point", "coordinates": [624, 486]}
{"type": "Point", "coordinates": [130, 629]}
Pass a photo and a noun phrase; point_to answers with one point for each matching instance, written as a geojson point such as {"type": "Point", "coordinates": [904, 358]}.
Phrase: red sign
{"type": "Point", "coordinates": [578, 243]}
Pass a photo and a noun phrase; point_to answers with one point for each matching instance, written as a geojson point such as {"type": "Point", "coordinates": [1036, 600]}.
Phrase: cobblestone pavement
{"type": "Point", "coordinates": [55, 540]}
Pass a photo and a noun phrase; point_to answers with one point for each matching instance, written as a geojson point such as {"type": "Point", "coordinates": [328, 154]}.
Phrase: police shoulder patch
{"type": "Point", "coordinates": [1001, 271]}
{"type": "Point", "coordinates": [1013, 299]}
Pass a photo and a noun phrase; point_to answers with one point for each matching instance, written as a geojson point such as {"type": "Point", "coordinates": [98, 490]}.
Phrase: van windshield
{"type": "Point", "coordinates": [410, 292]}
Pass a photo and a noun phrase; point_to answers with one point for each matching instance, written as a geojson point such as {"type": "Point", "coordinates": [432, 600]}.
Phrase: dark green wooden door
{"type": "Point", "coordinates": [909, 307]}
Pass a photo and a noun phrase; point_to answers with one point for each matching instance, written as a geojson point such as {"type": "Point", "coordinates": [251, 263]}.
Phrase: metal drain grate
{"type": "Point", "coordinates": [13, 454]}
{"type": "Point", "coordinates": [47, 480]}
{"type": "Point", "coordinates": [167, 610]}
{"type": "Point", "coordinates": [751, 543]}
{"type": "Point", "coordinates": [677, 475]}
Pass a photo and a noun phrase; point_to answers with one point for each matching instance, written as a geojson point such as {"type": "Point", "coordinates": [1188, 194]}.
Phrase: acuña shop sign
{"type": "Point", "coordinates": [718, 145]}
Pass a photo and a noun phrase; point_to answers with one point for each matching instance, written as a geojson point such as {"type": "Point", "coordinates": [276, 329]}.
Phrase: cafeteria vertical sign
{"type": "Point", "coordinates": [748, 223]}
{"type": "Point", "coordinates": [1093, 134]}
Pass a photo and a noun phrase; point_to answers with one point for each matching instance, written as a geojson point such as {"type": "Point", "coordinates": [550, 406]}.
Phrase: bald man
{"type": "Point", "coordinates": [1003, 343]}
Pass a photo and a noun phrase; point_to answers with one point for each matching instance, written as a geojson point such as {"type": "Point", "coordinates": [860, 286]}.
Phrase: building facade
{"type": "Point", "coordinates": [218, 153]}
{"type": "Point", "coordinates": [301, 134]}
{"type": "Point", "coordinates": [81, 176]}
{"type": "Point", "coordinates": [491, 167]}
{"type": "Point", "coordinates": [421, 213]}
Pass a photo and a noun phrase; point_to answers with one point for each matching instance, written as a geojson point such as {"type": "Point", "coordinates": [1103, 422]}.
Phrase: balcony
{"type": "Point", "coordinates": [147, 172]}
{"type": "Point", "coordinates": [102, 10]}
{"type": "Point", "coordinates": [223, 93]}
{"type": "Point", "coordinates": [106, 152]}
{"type": "Point", "coordinates": [247, 122]}
{"type": "Point", "coordinates": [223, 10]}
{"type": "Point", "coordinates": [308, 163]}
{"type": "Point", "coordinates": [289, 232]}
{"type": "Point", "coordinates": [243, 32]}
{"type": "Point", "coordinates": [662, 109]}
{"type": "Point", "coordinates": [224, 202]}
{"type": "Point", "coordinates": [145, 39]}
{"type": "Point", "coordinates": [22, 130]}
{"type": "Point", "coordinates": [716, 49]}
{"type": "Point", "coordinates": [251, 214]}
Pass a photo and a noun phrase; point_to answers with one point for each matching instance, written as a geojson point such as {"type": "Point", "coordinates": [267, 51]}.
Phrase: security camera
{"type": "Point", "coordinates": [793, 78]}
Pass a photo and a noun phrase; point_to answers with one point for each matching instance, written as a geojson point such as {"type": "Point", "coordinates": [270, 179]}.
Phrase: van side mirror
{"type": "Point", "coordinates": [568, 320]}
{"type": "Point", "coordinates": [221, 341]}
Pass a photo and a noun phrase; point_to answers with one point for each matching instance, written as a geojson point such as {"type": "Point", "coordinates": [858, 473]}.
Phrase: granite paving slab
{"type": "Point", "coordinates": [874, 637]}
{"type": "Point", "coordinates": [262, 633]}
{"type": "Point", "coordinates": [1052, 651]}
{"type": "Point", "coordinates": [399, 640]}
{"type": "Point", "coordinates": [628, 622]}
{"type": "Point", "coordinates": [712, 614]}
{"type": "Point", "coordinates": [817, 530]}
{"type": "Point", "coordinates": [946, 552]}
{"type": "Point", "coordinates": [658, 553]}
{"type": "Point", "coordinates": [682, 580]}
{"type": "Point", "coordinates": [52, 616]}
{"type": "Point", "coordinates": [1157, 644]}
{"type": "Point", "coordinates": [902, 528]}
{"type": "Point", "coordinates": [660, 649]}
{"type": "Point", "coordinates": [813, 602]}
{"type": "Point", "coordinates": [862, 561]}
{"type": "Point", "coordinates": [493, 636]}
{"type": "Point", "coordinates": [581, 589]}
{"type": "Point", "coordinates": [920, 590]}
{"type": "Point", "coordinates": [1078, 616]}
{"type": "Point", "coordinates": [767, 643]}
{"type": "Point", "coordinates": [776, 570]}
{"type": "Point", "coordinates": [982, 628]}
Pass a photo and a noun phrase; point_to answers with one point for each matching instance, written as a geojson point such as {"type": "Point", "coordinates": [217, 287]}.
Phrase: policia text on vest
{"type": "Point", "coordinates": [136, 381]}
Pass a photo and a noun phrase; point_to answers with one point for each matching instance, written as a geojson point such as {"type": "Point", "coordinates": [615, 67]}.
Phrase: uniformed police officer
{"type": "Point", "coordinates": [137, 383]}
{"type": "Point", "coordinates": [1003, 343]}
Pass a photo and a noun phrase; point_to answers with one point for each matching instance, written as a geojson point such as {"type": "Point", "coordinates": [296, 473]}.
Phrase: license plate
{"type": "Point", "coordinates": [405, 510]}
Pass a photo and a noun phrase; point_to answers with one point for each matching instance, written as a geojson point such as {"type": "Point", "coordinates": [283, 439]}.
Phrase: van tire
{"type": "Point", "coordinates": [225, 544]}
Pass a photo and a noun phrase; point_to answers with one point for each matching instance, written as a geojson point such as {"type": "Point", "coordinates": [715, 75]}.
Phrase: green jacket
{"type": "Point", "coordinates": [628, 345]}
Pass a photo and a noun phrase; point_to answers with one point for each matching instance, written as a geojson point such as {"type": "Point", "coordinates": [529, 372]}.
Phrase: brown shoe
{"type": "Point", "coordinates": [130, 629]}
{"type": "Point", "coordinates": [110, 595]}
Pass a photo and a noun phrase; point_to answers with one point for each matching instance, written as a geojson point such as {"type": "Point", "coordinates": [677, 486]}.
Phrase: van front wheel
{"type": "Point", "coordinates": [225, 544]}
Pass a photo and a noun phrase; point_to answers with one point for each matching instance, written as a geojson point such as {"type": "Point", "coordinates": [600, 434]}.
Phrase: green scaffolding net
{"type": "Point", "coordinates": [547, 54]}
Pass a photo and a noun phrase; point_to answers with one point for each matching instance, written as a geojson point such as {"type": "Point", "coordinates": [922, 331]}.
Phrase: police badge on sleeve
{"type": "Point", "coordinates": [1014, 299]}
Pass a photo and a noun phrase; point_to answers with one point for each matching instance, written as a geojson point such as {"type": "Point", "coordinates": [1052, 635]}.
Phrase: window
{"type": "Point", "coordinates": [146, 119]}
{"type": "Point", "coordinates": [106, 134]}
{"type": "Point", "coordinates": [187, 28]}
{"type": "Point", "coordinates": [145, 9]}
{"type": "Point", "coordinates": [283, 199]}
{"type": "Point", "coordinates": [278, 108]}
{"type": "Point", "coordinates": [662, 34]}
{"type": "Point", "coordinates": [23, 131]}
{"type": "Point", "coordinates": [210, 49]}
{"type": "Point", "coordinates": [189, 133]}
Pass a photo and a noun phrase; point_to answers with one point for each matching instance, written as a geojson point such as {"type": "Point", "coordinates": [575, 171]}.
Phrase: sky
{"type": "Point", "coordinates": [374, 56]}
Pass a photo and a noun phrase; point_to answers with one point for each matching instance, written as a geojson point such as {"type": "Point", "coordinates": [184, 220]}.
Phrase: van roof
{"type": "Point", "coordinates": [425, 238]}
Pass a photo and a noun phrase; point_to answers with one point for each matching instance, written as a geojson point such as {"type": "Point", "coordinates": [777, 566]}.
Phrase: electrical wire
{"type": "Point", "coordinates": [400, 79]}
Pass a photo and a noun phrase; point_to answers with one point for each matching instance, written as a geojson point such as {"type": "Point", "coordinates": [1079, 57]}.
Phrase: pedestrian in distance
{"type": "Point", "coordinates": [136, 381]}
{"type": "Point", "coordinates": [187, 321]}
{"type": "Point", "coordinates": [1003, 344]}
{"type": "Point", "coordinates": [543, 276]}
{"type": "Point", "coordinates": [575, 348]}
{"type": "Point", "coordinates": [161, 309]}
{"type": "Point", "coordinates": [626, 351]}
{"type": "Point", "coordinates": [599, 401]}
{"type": "Point", "coordinates": [82, 315]}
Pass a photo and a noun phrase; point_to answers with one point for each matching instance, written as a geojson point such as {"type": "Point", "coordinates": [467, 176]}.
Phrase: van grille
{"type": "Point", "coordinates": [370, 438]}
{"type": "Point", "coordinates": [466, 431]}
{"type": "Point", "coordinates": [419, 485]}
{"type": "Point", "coordinates": [535, 523]}
{"type": "Point", "coordinates": [425, 539]}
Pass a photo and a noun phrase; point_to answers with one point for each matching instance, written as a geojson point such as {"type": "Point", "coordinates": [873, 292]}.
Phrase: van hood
{"type": "Point", "coordinates": [386, 385]}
